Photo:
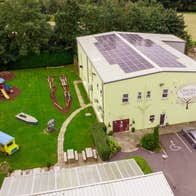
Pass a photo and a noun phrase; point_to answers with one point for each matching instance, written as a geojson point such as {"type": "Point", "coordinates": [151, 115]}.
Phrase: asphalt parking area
{"type": "Point", "coordinates": [180, 166]}
{"type": "Point", "coordinates": [173, 143]}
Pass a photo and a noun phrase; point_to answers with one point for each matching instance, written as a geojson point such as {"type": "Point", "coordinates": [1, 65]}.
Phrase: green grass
{"type": "Point", "coordinates": [78, 135]}
{"type": "Point", "coordinates": [83, 93]}
{"type": "Point", "coordinates": [36, 147]}
{"type": "Point", "coordinates": [2, 176]}
{"type": "Point", "coordinates": [59, 91]}
{"type": "Point", "coordinates": [142, 163]}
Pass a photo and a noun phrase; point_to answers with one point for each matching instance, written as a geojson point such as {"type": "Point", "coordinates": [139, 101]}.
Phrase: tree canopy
{"type": "Point", "coordinates": [24, 27]}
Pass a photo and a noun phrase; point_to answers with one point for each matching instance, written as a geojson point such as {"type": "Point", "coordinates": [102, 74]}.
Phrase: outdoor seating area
{"type": "Point", "coordinates": [88, 154]}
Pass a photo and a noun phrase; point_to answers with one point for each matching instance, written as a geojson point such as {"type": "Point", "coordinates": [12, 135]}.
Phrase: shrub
{"type": "Point", "coordinates": [110, 133]}
{"type": "Point", "coordinates": [148, 142]}
{"type": "Point", "coordinates": [133, 129]}
{"type": "Point", "coordinates": [100, 140]}
{"type": "Point", "coordinates": [45, 59]}
{"type": "Point", "coordinates": [113, 145]}
{"type": "Point", "coordinates": [156, 136]}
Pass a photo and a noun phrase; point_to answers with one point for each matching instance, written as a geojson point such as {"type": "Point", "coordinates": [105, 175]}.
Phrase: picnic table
{"type": "Point", "coordinates": [70, 155]}
{"type": "Point", "coordinates": [89, 153]}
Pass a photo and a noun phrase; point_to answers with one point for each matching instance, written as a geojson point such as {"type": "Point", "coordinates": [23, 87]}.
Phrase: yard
{"type": "Point", "coordinates": [83, 93]}
{"type": "Point", "coordinates": [37, 149]}
{"type": "Point", "coordinates": [190, 21]}
{"type": "Point", "coordinates": [78, 135]}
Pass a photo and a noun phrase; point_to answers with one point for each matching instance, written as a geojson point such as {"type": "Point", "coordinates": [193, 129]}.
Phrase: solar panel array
{"type": "Point", "coordinates": [153, 51]}
{"type": "Point", "coordinates": [118, 52]}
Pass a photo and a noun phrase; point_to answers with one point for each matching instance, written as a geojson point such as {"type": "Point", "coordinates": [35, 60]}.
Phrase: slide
{"type": "Point", "coordinates": [4, 93]}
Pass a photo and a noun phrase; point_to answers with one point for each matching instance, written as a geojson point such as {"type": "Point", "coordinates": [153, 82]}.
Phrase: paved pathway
{"type": "Point", "coordinates": [63, 129]}
{"type": "Point", "coordinates": [81, 101]}
{"type": "Point", "coordinates": [60, 147]}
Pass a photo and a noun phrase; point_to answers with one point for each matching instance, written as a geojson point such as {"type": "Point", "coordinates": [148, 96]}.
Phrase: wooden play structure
{"type": "Point", "coordinates": [67, 95]}
{"type": "Point", "coordinates": [7, 92]}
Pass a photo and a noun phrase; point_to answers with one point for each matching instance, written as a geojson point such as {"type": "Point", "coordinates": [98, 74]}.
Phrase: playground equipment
{"type": "Point", "coordinates": [7, 144]}
{"type": "Point", "coordinates": [27, 118]}
{"type": "Point", "coordinates": [51, 125]}
{"type": "Point", "coordinates": [5, 89]}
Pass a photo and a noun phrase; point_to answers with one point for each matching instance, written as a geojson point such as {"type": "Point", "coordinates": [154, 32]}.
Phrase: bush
{"type": "Point", "coordinates": [156, 136]}
{"type": "Point", "coordinates": [133, 129]}
{"type": "Point", "coordinates": [45, 59]}
{"type": "Point", "coordinates": [113, 145]}
{"type": "Point", "coordinates": [100, 140]}
{"type": "Point", "coordinates": [148, 142]}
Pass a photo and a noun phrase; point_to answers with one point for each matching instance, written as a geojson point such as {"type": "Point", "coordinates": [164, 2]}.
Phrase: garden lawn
{"type": "Point", "coordinates": [2, 176]}
{"type": "Point", "coordinates": [37, 149]}
{"type": "Point", "coordinates": [83, 93]}
{"type": "Point", "coordinates": [142, 163]}
{"type": "Point", "coordinates": [78, 135]}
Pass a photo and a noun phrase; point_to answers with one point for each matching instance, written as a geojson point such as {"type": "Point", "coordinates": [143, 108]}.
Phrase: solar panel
{"type": "Point", "coordinates": [153, 51]}
{"type": "Point", "coordinates": [118, 52]}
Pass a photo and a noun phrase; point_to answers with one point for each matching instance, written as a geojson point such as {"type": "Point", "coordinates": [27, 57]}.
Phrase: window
{"type": "Point", "coordinates": [152, 118]}
{"type": "Point", "coordinates": [9, 144]}
{"type": "Point", "coordinates": [139, 95]}
{"type": "Point", "coordinates": [125, 98]}
{"type": "Point", "coordinates": [148, 95]}
{"type": "Point", "coordinates": [165, 93]}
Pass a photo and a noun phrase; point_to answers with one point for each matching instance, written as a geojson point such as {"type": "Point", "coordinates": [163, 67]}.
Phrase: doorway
{"type": "Point", "coordinates": [121, 125]}
{"type": "Point", "coordinates": [162, 119]}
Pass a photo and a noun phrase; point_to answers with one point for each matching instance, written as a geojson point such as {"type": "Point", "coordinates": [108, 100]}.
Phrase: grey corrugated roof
{"type": "Point", "coordinates": [154, 184]}
{"type": "Point", "coordinates": [68, 178]}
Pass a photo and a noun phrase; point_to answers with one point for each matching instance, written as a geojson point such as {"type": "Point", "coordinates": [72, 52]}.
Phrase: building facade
{"type": "Point", "coordinates": [138, 80]}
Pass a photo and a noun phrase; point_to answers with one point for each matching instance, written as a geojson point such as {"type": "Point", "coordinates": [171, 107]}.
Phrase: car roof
{"type": "Point", "coordinates": [193, 132]}
{"type": "Point", "coordinates": [5, 138]}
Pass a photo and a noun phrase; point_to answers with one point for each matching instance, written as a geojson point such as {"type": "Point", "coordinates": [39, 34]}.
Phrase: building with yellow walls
{"type": "Point", "coordinates": [138, 80]}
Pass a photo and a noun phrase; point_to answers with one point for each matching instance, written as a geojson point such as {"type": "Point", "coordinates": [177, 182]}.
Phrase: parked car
{"type": "Point", "coordinates": [190, 135]}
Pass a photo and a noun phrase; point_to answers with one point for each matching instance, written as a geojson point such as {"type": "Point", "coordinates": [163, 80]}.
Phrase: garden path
{"type": "Point", "coordinates": [60, 147]}
{"type": "Point", "coordinates": [81, 101]}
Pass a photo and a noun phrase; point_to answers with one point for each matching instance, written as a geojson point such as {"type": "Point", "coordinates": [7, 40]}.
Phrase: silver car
{"type": "Point", "coordinates": [190, 135]}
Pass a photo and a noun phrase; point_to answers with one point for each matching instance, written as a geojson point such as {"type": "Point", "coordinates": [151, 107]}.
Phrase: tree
{"type": "Point", "coordinates": [24, 26]}
{"type": "Point", "coordinates": [67, 24]}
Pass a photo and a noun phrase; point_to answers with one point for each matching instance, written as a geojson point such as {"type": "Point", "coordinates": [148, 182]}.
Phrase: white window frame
{"type": "Point", "coordinates": [125, 98]}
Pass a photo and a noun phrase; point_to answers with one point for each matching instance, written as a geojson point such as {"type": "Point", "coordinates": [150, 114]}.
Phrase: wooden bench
{"type": "Point", "coordinates": [94, 154]}
{"type": "Point", "coordinates": [83, 155]}
{"type": "Point", "coordinates": [76, 155]}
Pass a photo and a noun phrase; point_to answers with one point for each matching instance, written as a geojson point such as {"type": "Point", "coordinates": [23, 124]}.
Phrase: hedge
{"type": "Point", "coordinates": [100, 140]}
{"type": "Point", "coordinates": [45, 59]}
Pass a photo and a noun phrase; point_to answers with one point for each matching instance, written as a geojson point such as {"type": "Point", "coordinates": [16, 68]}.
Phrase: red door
{"type": "Point", "coordinates": [121, 125]}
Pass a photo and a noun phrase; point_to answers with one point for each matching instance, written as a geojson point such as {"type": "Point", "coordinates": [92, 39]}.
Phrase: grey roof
{"type": "Point", "coordinates": [68, 178]}
{"type": "Point", "coordinates": [154, 184]}
{"type": "Point", "coordinates": [122, 55]}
